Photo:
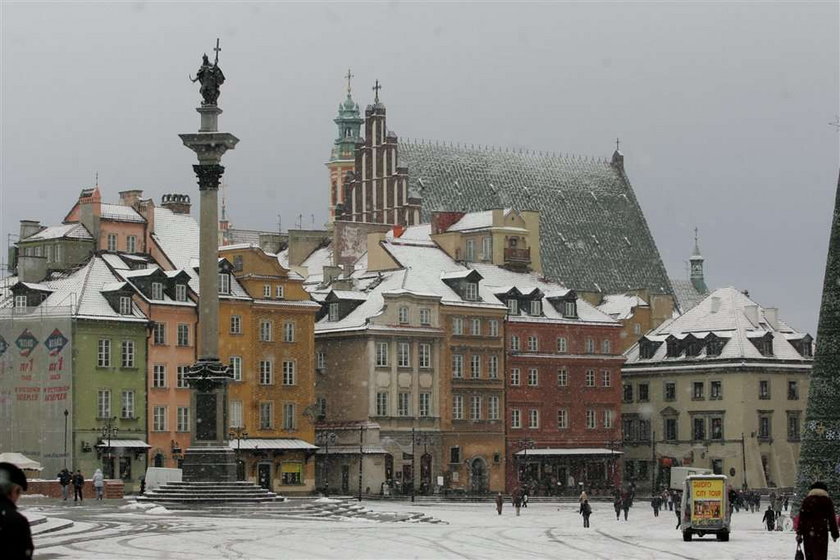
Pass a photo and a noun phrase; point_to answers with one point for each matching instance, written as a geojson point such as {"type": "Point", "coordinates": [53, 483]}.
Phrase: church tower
{"type": "Point", "coordinates": [343, 154]}
{"type": "Point", "coordinates": [696, 274]}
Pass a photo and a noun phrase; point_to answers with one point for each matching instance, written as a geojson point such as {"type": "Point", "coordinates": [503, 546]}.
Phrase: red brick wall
{"type": "Point", "coordinates": [51, 488]}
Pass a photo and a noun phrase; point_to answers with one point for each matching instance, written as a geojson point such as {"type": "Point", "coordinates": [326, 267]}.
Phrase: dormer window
{"type": "Point", "coordinates": [403, 315]}
{"type": "Point", "coordinates": [157, 290]}
{"type": "Point", "coordinates": [694, 347]}
{"type": "Point", "coordinates": [714, 346]}
{"type": "Point", "coordinates": [570, 309]}
{"type": "Point", "coordinates": [471, 291]}
{"type": "Point", "coordinates": [20, 302]}
{"type": "Point", "coordinates": [125, 305]}
{"type": "Point", "coordinates": [536, 308]}
{"type": "Point", "coordinates": [764, 343]}
{"type": "Point", "coordinates": [180, 292]}
{"type": "Point", "coordinates": [334, 312]}
{"type": "Point", "coordinates": [279, 293]}
{"type": "Point", "coordinates": [224, 283]}
{"type": "Point", "coordinates": [513, 306]}
{"type": "Point", "coordinates": [266, 291]}
{"type": "Point", "coordinates": [673, 348]}
{"type": "Point", "coordinates": [237, 263]}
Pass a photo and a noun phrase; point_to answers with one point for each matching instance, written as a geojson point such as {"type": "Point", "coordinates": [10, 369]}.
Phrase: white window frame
{"type": "Point", "coordinates": [471, 291]}
{"type": "Point", "coordinates": [21, 302]}
{"type": "Point", "coordinates": [157, 290]}
{"type": "Point", "coordinates": [279, 291]}
{"type": "Point", "coordinates": [180, 377]}
{"type": "Point", "coordinates": [103, 403]}
{"type": "Point", "coordinates": [475, 326]}
{"type": "Point", "coordinates": [475, 407]}
{"type": "Point", "coordinates": [590, 378]}
{"type": "Point", "coordinates": [562, 419]}
{"type": "Point", "coordinates": [289, 373]}
{"type": "Point", "coordinates": [533, 377]}
{"type": "Point", "coordinates": [609, 418]}
{"type": "Point", "coordinates": [515, 377]}
{"type": "Point", "coordinates": [183, 334]}
{"type": "Point", "coordinates": [424, 406]}
{"type": "Point", "coordinates": [457, 407]}
{"type": "Point", "coordinates": [475, 366]}
{"type": "Point", "coordinates": [320, 361]}
{"type": "Point", "coordinates": [236, 324]}
{"type": "Point", "coordinates": [493, 327]}
{"type": "Point", "coordinates": [562, 377]}
{"type": "Point", "coordinates": [289, 416]}
{"type": "Point", "coordinates": [224, 283]}
{"type": "Point", "coordinates": [382, 354]}
{"type": "Point", "coordinates": [235, 414]}
{"type": "Point", "coordinates": [103, 356]}
{"type": "Point", "coordinates": [266, 372]}
{"type": "Point", "coordinates": [533, 344]}
{"type": "Point", "coordinates": [266, 327]}
{"type": "Point", "coordinates": [562, 345]}
{"type": "Point", "coordinates": [382, 403]}
{"type": "Point", "coordinates": [536, 308]}
{"type": "Point", "coordinates": [425, 316]}
{"type": "Point", "coordinates": [457, 366]}
{"type": "Point", "coordinates": [515, 418]}
{"type": "Point", "coordinates": [591, 420]}
{"type": "Point", "coordinates": [127, 404]}
{"type": "Point", "coordinates": [159, 376]}
{"type": "Point", "coordinates": [606, 378]}
{"type": "Point", "coordinates": [424, 355]}
{"type": "Point", "coordinates": [289, 331]}
{"type": "Point", "coordinates": [493, 407]}
{"type": "Point", "coordinates": [266, 291]}
{"type": "Point", "coordinates": [182, 419]}
{"type": "Point", "coordinates": [403, 403]}
{"type": "Point", "coordinates": [333, 312]}
{"type": "Point", "coordinates": [159, 334]}
{"type": "Point", "coordinates": [125, 305]}
{"type": "Point", "coordinates": [492, 367]}
{"type": "Point", "coordinates": [402, 315]}
{"type": "Point", "coordinates": [236, 367]}
{"type": "Point", "coordinates": [606, 346]}
{"type": "Point", "coordinates": [515, 343]}
{"type": "Point", "coordinates": [457, 326]}
{"type": "Point", "coordinates": [159, 418]}
{"type": "Point", "coordinates": [534, 419]}
{"type": "Point", "coordinates": [127, 354]}
{"type": "Point", "coordinates": [131, 244]}
{"type": "Point", "coordinates": [589, 345]}
{"type": "Point", "coordinates": [403, 354]}
{"type": "Point", "coordinates": [112, 242]}
{"type": "Point", "coordinates": [180, 292]}
{"type": "Point", "coordinates": [266, 418]}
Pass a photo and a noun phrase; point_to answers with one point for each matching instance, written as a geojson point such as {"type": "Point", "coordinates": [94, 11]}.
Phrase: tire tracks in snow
{"type": "Point", "coordinates": [549, 533]}
{"type": "Point", "coordinates": [631, 543]}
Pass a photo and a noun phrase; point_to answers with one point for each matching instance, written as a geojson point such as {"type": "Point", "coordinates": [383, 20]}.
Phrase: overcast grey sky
{"type": "Point", "coordinates": [722, 109]}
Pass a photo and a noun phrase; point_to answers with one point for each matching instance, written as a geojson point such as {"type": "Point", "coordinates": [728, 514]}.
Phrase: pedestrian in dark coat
{"type": "Point", "coordinates": [656, 503]}
{"type": "Point", "coordinates": [517, 501]}
{"type": "Point", "coordinates": [499, 502]}
{"type": "Point", "coordinates": [816, 521]}
{"type": "Point", "coordinates": [15, 534]}
{"type": "Point", "coordinates": [64, 478]}
{"type": "Point", "coordinates": [676, 501]}
{"type": "Point", "coordinates": [626, 502]}
{"type": "Point", "coordinates": [617, 504]}
{"type": "Point", "coordinates": [769, 518]}
{"type": "Point", "coordinates": [585, 511]}
{"type": "Point", "coordinates": [78, 485]}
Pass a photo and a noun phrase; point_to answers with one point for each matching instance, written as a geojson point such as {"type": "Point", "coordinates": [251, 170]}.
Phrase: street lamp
{"type": "Point", "coordinates": [66, 414]}
{"type": "Point", "coordinates": [326, 439]}
{"type": "Point", "coordinates": [237, 433]}
{"type": "Point", "coordinates": [424, 439]}
{"type": "Point", "coordinates": [523, 445]}
{"type": "Point", "coordinates": [361, 456]}
{"type": "Point", "coordinates": [108, 431]}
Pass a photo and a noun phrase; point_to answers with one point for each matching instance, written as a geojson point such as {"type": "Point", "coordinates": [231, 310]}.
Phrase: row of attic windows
{"type": "Point", "coordinates": [693, 346]}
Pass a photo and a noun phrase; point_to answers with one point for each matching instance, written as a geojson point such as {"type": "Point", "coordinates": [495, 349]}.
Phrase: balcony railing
{"type": "Point", "coordinates": [517, 255]}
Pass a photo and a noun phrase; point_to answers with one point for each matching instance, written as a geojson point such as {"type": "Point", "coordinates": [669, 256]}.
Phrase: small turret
{"type": "Point", "coordinates": [696, 274]}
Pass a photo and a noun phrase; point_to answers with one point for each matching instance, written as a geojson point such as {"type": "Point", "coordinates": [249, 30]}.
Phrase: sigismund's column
{"type": "Point", "coordinates": [209, 458]}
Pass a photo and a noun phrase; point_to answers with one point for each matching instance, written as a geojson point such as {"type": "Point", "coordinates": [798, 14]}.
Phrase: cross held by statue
{"type": "Point", "coordinates": [218, 49]}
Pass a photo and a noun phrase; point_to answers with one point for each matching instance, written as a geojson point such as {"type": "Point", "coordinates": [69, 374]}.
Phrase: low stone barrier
{"type": "Point", "coordinates": [114, 489]}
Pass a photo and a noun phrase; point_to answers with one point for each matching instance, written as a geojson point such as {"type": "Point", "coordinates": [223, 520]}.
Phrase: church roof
{"type": "Point", "coordinates": [593, 234]}
{"type": "Point", "coordinates": [686, 295]}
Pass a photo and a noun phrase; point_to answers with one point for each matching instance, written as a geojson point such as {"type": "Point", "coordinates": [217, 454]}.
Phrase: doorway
{"type": "Point", "coordinates": [478, 476]}
{"type": "Point", "coordinates": [264, 475]}
{"type": "Point", "coordinates": [345, 479]}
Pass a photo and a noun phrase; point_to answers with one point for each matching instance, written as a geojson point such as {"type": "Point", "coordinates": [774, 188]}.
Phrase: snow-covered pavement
{"type": "Point", "coordinates": [472, 531]}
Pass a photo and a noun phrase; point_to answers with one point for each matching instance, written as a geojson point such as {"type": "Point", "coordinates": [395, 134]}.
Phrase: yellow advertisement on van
{"type": "Point", "coordinates": [707, 502]}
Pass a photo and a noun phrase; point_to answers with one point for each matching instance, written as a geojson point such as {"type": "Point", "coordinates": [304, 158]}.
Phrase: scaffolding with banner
{"type": "Point", "coordinates": [36, 384]}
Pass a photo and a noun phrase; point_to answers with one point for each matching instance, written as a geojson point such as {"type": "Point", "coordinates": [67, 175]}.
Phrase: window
{"type": "Point", "coordinates": [562, 419]}
{"type": "Point", "coordinates": [493, 408]}
{"type": "Point", "coordinates": [235, 414]}
{"type": "Point", "coordinates": [236, 367]}
{"type": "Point", "coordinates": [764, 426]}
{"type": "Point", "coordinates": [589, 346]}
{"type": "Point", "coordinates": [266, 372]}
{"type": "Point", "coordinates": [533, 377]}
{"type": "Point", "coordinates": [181, 377]}
{"type": "Point", "coordinates": [533, 418]}
{"type": "Point", "coordinates": [127, 401]}
{"type": "Point", "coordinates": [475, 366]}
{"type": "Point", "coordinates": [457, 366]}
{"type": "Point", "coordinates": [159, 419]}
{"type": "Point", "coordinates": [715, 392]}
{"type": "Point", "coordinates": [159, 333]}
{"type": "Point", "coordinates": [637, 328]}
{"type": "Point", "coordinates": [112, 241]}
{"type": "Point", "coordinates": [671, 429]}
{"type": "Point", "coordinates": [627, 393]}
{"type": "Point", "coordinates": [381, 354]}
{"type": "Point", "coordinates": [403, 315]}
{"type": "Point", "coordinates": [403, 354]}
{"type": "Point", "coordinates": [125, 305]}
{"type": "Point", "coordinates": [699, 427]}
{"type": "Point", "coordinates": [425, 316]}
{"type": "Point", "coordinates": [475, 407]}
{"type": "Point", "coordinates": [235, 324]}
{"type": "Point", "coordinates": [334, 311]}
{"type": "Point", "coordinates": [606, 378]}
{"type": "Point", "coordinates": [591, 423]}
{"type": "Point", "coordinates": [320, 361]}
{"type": "Point", "coordinates": [265, 330]}
{"type": "Point", "coordinates": [382, 403]}
{"type": "Point", "coordinates": [457, 325]}
{"type": "Point", "coordinates": [183, 335]}
{"type": "Point", "coordinates": [157, 290]}
{"type": "Point", "coordinates": [127, 360]}
{"type": "Point", "coordinates": [103, 356]}
{"type": "Point", "coordinates": [793, 425]}
{"type": "Point", "coordinates": [590, 378]}
{"type": "Point", "coordinates": [425, 404]}
{"type": "Point", "coordinates": [266, 415]}
{"type": "Point", "coordinates": [266, 291]}
{"type": "Point", "coordinates": [716, 427]}
{"type": "Point", "coordinates": [289, 377]}
{"type": "Point", "coordinates": [514, 343]}
{"type": "Point", "coordinates": [475, 327]}
{"type": "Point", "coordinates": [224, 283]}
{"type": "Point", "coordinates": [457, 407]}
{"type": "Point", "coordinates": [764, 389]}
{"type": "Point", "coordinates": [793, 391]}
{"type": "Point", "coordinates": [628, 428]}
{"type": "Point", "coordinates": [514, 376]}
{"type": "Point", "coordinates": [321, 405]}
{"type": "Point", "coordinates": [533, 344]}
{"type": "Point", "coordinates": [644, 430]}
{"type": "Point", "coordinates": [513, 306]}
{"type": "Point", "coordinates": [606, 347]}
{"type": "Point", "coordinates": [562, 345]}
{"type": "Point", "coordinates": [424, 355]}
{"type": "Point", "coordinates": [288, 332]}
{"type": "Point", "coordinates": [608, 418]}
{"type": "Point", "coordinates": [536, 308]}
{"type": "Point", "coordinates": [20, 302]}
{"type": "Point", "coordinates": [493, 367]}
{"type": "Point", "coordinates": [291, 473]}
{"type": "Point", "coordinates": [670, 392]}
{"type": "Point", "coordinates": [289, 416]}
{"type": "Point", "coordinates": [159, 376]}
{"type": "Point", "coordinates": [487, 248]}
{"type": "Point", "coordinates": [470, 250]}
{"type": "Point", "coordinates": [515, 418]}
{"type": "Point", "coordinates": [59, 253]}
{"type": "Point", "coordinates": [131, 243]}
{"type": "Point", "coordinates": [562, 377]}
{"type": "Point", "coordinates": [279, 292]}
{"type": "Point", "coordinates": [180, 292]}
{"type": "Point", "coordinates": [471, 291]}
{"type": "Point", "coordinates": [697, 390]}
{"type": "Point", "coordinates": [493, 327]}
{"type": "Point", "coordinates": [644, 392]}
{"type": "Point", "coordinates": [182, 419]}
{"type": "Point", "coordinates": [455, 455]}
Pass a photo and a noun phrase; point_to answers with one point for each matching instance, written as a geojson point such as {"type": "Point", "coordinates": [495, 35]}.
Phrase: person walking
{"type": "Point", "coordinates": [585, 511]}
{"type": "Point", "coordinates": [786, 502]}
{"type": "Point", "coordinates": [676, 500]}
{"type": "Point", "coordinates": [816, 521]}
{"type": "Point", "coordinates": [525, 498]}
{"type": "Point", "coordinates": [769, 518]}
{"type": "Point", "coordinates": [656, 503]}
{"type": "Point", "coordinates": [99, 484]}
{"type": "Point", "coordinates": [617, 504]}
{"type": "Point", "coordinates": [15, 534]}
{"type": "Point", "coordinates": [64, 479]}
{"type": "Point", "coordinates": [499, 502]}
{"type": "Point", "coordinates": [517, 501]}
{"type": "Point", "coordinates": [78, 485]}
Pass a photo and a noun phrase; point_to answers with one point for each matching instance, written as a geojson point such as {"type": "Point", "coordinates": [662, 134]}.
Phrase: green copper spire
{"type": "Point", "coordinates": [349, 123]}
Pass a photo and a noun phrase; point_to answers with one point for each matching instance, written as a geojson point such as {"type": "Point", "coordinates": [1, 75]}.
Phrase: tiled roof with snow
{"type": "Point", "coordinates": [592, 229]}
{"type": "Point", "coordinates": [620, 306]}
{"type": "Point", "coordinates": [419, 233]}
{"type": "Point", "coordinates": [686, 294]}
{"type": "Point", "coordinates": [473, 220]}
{"type": "Point", "coordinates": [64, 231]}
{"type": "Point", "coordinates": [725, 313]}
{"type": "Point", "coordinates": [120, 213]}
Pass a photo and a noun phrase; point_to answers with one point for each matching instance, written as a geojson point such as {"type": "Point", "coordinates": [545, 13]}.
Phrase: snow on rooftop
{"type": "Point", "coordinates": [620, 306]}
{"type": "Point", "coordinates": [120, 213]}
{"type": "Point", "coordinates": [473, 220]}
{"type": "Point", "coordinates": [66, 231]}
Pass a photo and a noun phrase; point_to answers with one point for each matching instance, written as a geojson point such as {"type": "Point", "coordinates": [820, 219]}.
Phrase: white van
{"type": "Point", "coordinates": [704, 507]}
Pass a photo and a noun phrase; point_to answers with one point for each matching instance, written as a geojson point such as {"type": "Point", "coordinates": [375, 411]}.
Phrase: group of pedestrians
{"type": "Point", "coordinates": [77, 481]}
{"type": "Point", "coordinates": [519, 500]}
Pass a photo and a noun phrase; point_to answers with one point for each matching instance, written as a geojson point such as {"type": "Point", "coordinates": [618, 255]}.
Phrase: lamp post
{"type": "Point", "coordinates": [108, 431]}
{"type": "Point", "coordinates": [237, 433]}
{"type": "Point", "coordinates": [361, 457]}
{"type": "Point", "coordinates": [523, 445]}
{"type": "Point", "coordinates": [326, 438]}
{"type": "Point", "coordinates": [415, 439]}
{"type": "Point", "coordinates": [66, 414]}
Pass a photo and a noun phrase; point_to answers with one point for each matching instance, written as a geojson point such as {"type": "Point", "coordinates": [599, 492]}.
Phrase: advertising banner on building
{"type": "Point", "coordinates": [36, 385]}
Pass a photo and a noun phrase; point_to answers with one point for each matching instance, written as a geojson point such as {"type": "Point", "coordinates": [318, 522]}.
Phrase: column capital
{"type": "Point", "coordinates": [209, 176]}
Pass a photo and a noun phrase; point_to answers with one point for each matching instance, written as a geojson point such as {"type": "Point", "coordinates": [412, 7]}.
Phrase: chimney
{"type": "Point", "coordinates": [131, 197]}
{"type": "Point", "coordinates": [29, 228]}
{"type": "Point", "coordinates": [771, 314]}
{"type": "Point", "coordinates": [177, 203]}
{"type": "Point", "coordinates": [751, 313]}
{"type": "Point", "coordinates": [715, 304]}
{"type": "Point", "coordinates": [331, 273]}
{"type": "Point", "coordinates": [90, 209]}
{"type": "Point", "coordinates": [146, 208]}
{"type": "Point", "coordinates": [31, 268]}
{"type": "Point", "coordinates": [442, 220]}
